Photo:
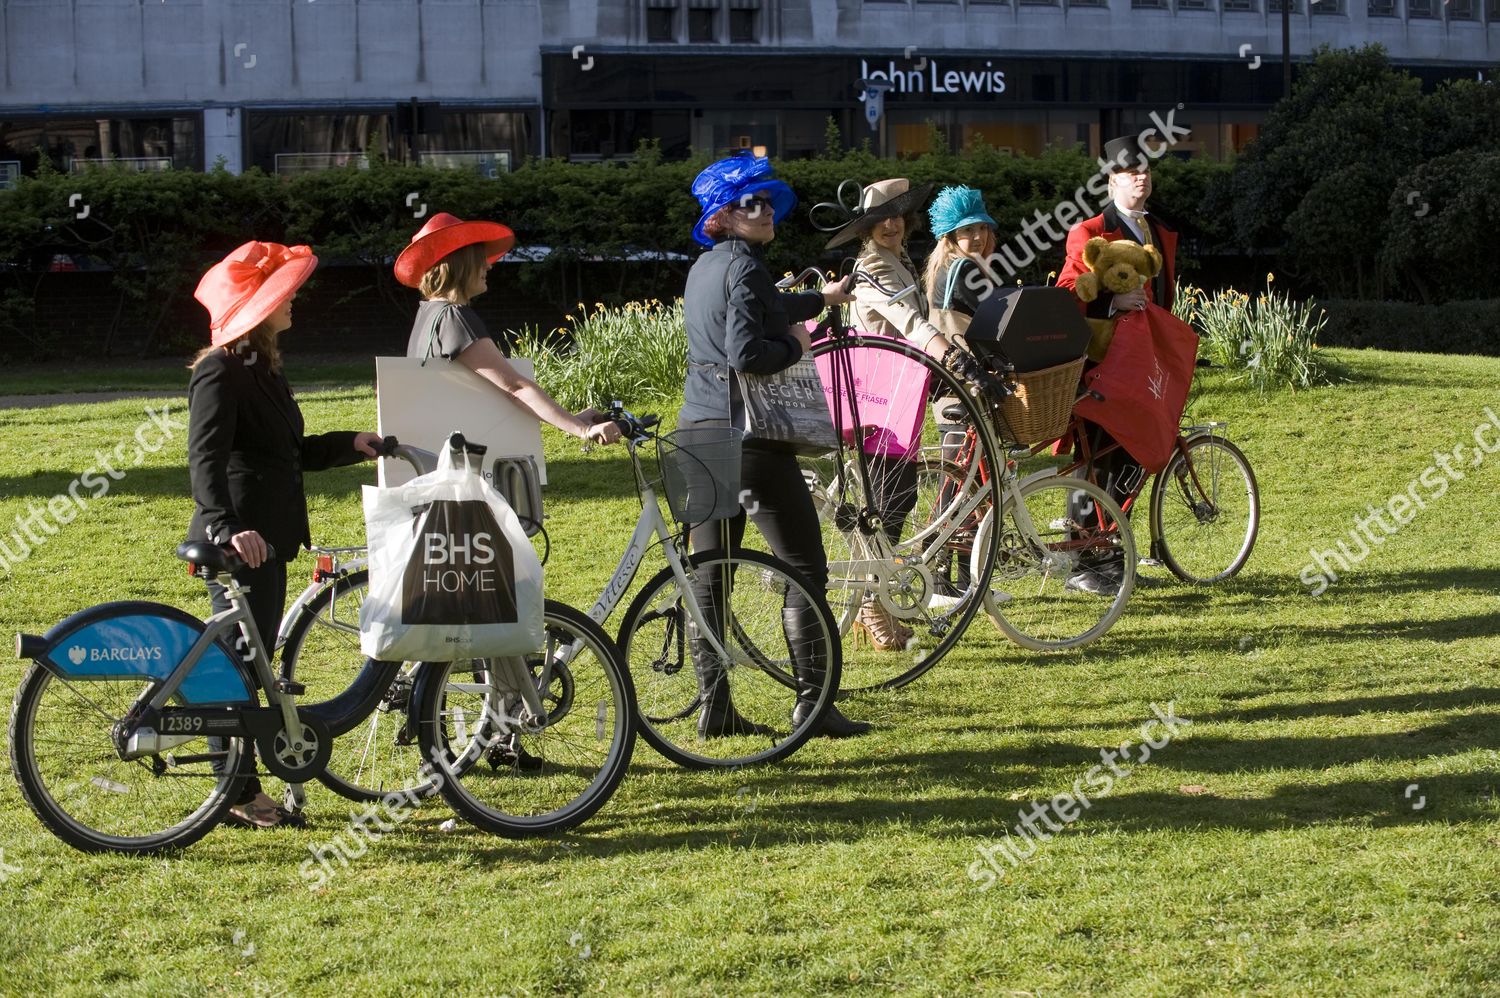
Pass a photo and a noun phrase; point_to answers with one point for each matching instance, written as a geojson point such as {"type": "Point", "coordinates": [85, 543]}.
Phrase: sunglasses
{"type": "Point", "coordinates": [754, 204]}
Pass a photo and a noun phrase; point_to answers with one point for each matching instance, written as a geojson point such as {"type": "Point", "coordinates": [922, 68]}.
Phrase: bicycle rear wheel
{"type": "Point", "coordinates": [772, 659]}
{"type": "Point", "coordinates": [900, 526]}
{"type": "Point", "coordinates": [1058, 527]}
{"type": "Point", "coordinates": [381, 755]}
{"type": "Point", "coordinates": [1205, 511]}
{"type": "Point", "coordinates": [470, 717]}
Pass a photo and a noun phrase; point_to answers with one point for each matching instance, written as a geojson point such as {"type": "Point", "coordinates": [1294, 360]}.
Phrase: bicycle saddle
{"type": "Point", "coordinates": [203, 554]}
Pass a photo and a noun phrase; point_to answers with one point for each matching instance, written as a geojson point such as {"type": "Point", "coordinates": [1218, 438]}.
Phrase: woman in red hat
{"type": "Point", "coordinates": [247, 449]}
{"type": "Point", "coordinates": [448, 261]}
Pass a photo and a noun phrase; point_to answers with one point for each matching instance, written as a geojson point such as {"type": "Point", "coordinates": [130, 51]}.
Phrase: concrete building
{"type": "Point", "coordinates": [301, 84]}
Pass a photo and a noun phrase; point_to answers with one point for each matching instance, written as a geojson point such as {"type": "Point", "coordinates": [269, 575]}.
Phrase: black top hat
{"type": "Point", "coordinates": [1127, 153]}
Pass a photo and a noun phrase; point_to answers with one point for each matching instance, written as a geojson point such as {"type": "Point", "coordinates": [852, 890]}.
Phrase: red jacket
{"type": "Point", "coordinates": [1159, 290]}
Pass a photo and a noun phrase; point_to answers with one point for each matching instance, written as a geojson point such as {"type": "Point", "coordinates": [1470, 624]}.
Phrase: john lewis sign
{"type": "Point", "coordinates": [934, 79]}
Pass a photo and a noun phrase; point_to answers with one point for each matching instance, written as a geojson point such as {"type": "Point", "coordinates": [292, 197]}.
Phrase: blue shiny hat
{"type": "Point", "coordinates": [742, 175]}
{"type": "Point", "coordinates": [955, 207]}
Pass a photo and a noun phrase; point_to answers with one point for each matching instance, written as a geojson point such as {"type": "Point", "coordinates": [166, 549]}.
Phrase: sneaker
{"type": "Point", "coordinates": [1093, 582]}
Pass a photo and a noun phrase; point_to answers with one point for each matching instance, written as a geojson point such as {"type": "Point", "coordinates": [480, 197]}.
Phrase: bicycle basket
{"type": "Point", "coordinates": [1041, 406]}
{"type": "Point", "coordinates": [700, 468]}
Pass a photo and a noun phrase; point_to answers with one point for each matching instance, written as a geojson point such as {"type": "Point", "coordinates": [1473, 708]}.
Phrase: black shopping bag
{"type": "Point", "coordinates": [462, 570]}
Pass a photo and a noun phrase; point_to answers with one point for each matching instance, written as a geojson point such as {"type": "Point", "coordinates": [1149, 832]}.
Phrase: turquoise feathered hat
{"type": "Point", "coordinates": [955, 207]}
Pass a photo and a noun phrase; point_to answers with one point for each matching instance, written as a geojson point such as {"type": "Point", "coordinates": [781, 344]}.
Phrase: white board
{"type": "Point", "coordinates": [422, 405]}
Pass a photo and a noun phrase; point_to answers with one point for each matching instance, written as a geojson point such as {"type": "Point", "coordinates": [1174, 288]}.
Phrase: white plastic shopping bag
{"type": "Point", "coordinates": [452, 575]}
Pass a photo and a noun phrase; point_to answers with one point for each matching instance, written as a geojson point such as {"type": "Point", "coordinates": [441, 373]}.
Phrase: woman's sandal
{"type": "Point", "coordinates": [883, 631]}
{"type": "Point", "coordinates": [263, 812]}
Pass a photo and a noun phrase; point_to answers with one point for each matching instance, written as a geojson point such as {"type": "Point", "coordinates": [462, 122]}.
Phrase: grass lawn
{"type": "Point", "coordinates": [1276, 846]}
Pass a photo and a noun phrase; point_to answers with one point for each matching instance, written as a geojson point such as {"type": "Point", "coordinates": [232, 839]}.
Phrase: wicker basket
{"type": "Point", "coordinates": [1042, 404]}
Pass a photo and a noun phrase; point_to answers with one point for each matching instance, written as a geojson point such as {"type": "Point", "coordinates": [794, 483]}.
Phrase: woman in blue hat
{"type": "Point", "coordinates": [737, 321]}
{"type": "Point", "coordinates": [957, 277]}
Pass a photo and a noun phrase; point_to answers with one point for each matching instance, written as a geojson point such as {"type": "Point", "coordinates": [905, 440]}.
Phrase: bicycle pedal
{"type": "Point", "coordinates": [290, 688]}
{"type": "Point", "coordinates": [1149, 563]}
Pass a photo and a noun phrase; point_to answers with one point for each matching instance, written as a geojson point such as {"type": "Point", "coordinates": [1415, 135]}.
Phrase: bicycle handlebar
{"type": "Point", "coordinates": [787, 283]}
{"type": "Point", "coordinates": [632, 426]}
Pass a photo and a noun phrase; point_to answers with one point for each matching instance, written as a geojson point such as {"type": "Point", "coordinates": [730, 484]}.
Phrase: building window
{"type": "Point", "coordinates": [1038, 3]}
{"type": "Point", "coordinates": [1275, 6]}
{"type": "Point", "coordinates": [744, 26]}
{"type": "Point", "coordinates": [1245, 5]}
{"type": "Point", "coordinates": [1086, 3]}
{"type": "Point", "coordinates": [1382, 8]}
{"type": "Point", "coordinates": [703, 28]}
{"type": "Point", "coordinates": [1419, 8]}
{"type": "Point", "coordinates": [1327, 6]}
{"type": "Point", "coordinates": [1194, 5]}
{"type": "Point", "coordinates": [141, 144]}
{"type": "Point", "coordinates": [1494, 14]}
{"type": "Point", "coordinates": [1148, 4]}
{"type": "Point", "coordinates": [1460, 10]}
{"type": "Point", "coordinates": [661, 24]}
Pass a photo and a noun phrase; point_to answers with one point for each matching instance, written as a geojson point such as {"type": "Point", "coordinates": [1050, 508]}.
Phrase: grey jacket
{"type": "Point", "coordinates": [736, 319]}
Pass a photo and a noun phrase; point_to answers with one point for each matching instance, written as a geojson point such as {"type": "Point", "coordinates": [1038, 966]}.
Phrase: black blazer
{"type": "Point", "coordinates": [247, 452]}
{"type": "Point", "coordinates": [736, 318]}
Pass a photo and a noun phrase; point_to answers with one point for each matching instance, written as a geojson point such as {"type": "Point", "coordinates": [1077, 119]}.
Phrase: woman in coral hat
{"type": "Point", "coordinates": [448, 261]}
{"type": "Point", "coordinates": [247, 449]}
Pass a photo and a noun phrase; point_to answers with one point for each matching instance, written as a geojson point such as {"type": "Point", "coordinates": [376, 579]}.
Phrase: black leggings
{"type": "Point", "coordinates": [784, 513]}
{"type": "Point", "coordinates": [267, 598]}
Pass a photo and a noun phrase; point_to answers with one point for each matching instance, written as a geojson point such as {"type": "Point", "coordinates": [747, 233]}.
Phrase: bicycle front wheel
{"type": "Point", "coordinates": [1052, 530]}
{"type": "Point", "coordinates": [63, 753]}
{"type": "Point", "coordinates": [1205, 511]}
{"type": "Point", "coordinates": [899, 521]}
{"type": "Point", "coordinates": [509, 769]}
{"type": "Point", "coordinates": [767, 691]}
{"type": "Point", "coordinates": [322, 652]}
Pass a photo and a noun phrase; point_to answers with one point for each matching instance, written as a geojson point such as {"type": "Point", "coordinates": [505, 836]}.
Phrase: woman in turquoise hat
{"type": "Point", "coordinates": [957, 277]}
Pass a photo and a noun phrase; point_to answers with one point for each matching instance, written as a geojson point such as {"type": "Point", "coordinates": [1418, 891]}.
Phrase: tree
{"type": "Point", "coordinates": [1315, 184]}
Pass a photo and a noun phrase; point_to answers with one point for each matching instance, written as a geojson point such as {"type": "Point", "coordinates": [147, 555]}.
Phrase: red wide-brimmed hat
{"type": "Point", "coordinates": [444, 234]}
{"type": "Point", "coordinates": [249, 284]}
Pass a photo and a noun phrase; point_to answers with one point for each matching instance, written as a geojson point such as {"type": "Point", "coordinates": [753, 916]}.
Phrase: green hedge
{"type": "Point", "coordinates": [158, 232]}
{"type": "Point", "coordinates": [1464, 327]}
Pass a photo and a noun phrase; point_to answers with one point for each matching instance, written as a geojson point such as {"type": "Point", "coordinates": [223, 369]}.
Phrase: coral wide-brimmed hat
{"type": "Point", "coordinates": [877, 202]}
{"type": "Point", "coordinates": [442, 235]}
{"type": "Point", "coordinates": [245, 287]}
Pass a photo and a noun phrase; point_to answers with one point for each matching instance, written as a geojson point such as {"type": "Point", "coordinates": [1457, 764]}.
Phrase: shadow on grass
{"type": "Point", "coordinates": [796, 804]}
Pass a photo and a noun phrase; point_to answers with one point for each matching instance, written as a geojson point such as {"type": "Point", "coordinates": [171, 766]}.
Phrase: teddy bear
{"type": "Point", "coordinates": [1116, 266]}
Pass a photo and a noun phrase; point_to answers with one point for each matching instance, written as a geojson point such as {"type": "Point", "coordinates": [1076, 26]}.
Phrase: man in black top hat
{"type": "Point", "coordinates": [1129, 161]}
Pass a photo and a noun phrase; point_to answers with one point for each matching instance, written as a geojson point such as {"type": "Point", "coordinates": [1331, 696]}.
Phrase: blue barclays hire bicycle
{"type": "Point", "coordinates": [131, 732]}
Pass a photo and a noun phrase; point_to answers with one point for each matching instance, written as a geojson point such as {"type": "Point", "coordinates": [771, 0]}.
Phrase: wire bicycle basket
{"type": "Point", "coordinates": [700, 470]}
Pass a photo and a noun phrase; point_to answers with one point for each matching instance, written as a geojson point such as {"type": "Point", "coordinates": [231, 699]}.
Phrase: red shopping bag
{"type": "Point", "coordinates": [890, 392]}
{"type": "Point", "coordinates": [1144, 382]}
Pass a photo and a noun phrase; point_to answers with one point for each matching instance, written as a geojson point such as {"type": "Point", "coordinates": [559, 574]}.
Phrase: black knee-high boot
{"type": "Point", "coordinates": [804, 638]}
{"type": "Point", "coordinates": [718, 718]}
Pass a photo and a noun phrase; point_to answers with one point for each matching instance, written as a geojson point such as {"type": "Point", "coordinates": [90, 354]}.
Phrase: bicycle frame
{"type": "Point", "coordinates": [185, 724]}
{"type": "Point", "coordinates": [652, 525]}
{"type": "Point", "coordinates": [1087, 456]}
